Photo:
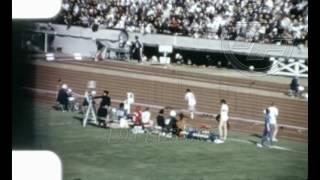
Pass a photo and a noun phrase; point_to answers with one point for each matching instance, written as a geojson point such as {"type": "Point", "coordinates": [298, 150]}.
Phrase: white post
{"type": "Point", "coordinates": [45, 42]}
{"type": "Point", "coordinates": [297, 68]}
{"type": "Point", "coordinates": [130, 100]}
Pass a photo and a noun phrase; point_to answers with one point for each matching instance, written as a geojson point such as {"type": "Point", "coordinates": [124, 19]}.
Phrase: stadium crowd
{"type": "Point", "coordinates": [264, 21]}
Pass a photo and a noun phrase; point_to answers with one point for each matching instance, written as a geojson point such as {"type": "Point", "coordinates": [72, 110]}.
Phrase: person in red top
{"type": "Point", "coordinates": [137, 116]}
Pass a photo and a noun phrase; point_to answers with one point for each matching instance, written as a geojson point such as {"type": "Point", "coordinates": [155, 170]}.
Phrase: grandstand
{"type": "Point", "coordinates": [268, 21]}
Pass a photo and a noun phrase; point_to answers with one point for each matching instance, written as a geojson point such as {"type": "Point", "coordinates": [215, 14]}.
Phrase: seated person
{"type": "Point", "coordinates": [172, 124]}
{"type": "Point", "coordinates": [181, 124]}
{"type": "Point", "coordinates": [121, 112]}
{"type": "Point", "coordinates": [294, 86]}
{"type": "Point", "coordinates": [72, 101]}
{"type": "Point", "coordinates": [145, 118]}
{"type": "Point", "coordinates": [62, 97]}
{"type": "Point", "coordinates": [137, 115]}
{"type": "Point", "coordinates": [160, 119]}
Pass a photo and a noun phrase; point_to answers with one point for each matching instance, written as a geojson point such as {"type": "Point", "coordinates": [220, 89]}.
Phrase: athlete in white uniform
{"type": "Point", "coordinates": [190, 98]}
{"type": "Point", "coordinates": [274, 112]}
{"type": "Point", "coordinates": [224, 117]}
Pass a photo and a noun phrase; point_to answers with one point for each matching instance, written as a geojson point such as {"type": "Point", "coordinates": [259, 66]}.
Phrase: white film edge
{"type": "Point", "coordinates": [36, 165]}
{"type": "Point", "coordinates": [35, 9]}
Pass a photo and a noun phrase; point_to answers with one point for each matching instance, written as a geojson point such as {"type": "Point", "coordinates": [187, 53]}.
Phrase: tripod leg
{"type": "Point", "coordinates": [84, 122]}
{"type": "Point", "coordinates": [94, 116]}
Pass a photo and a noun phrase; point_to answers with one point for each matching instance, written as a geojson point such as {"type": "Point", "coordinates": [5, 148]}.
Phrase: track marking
{"type": "Point", "coordinates": [272, 147]}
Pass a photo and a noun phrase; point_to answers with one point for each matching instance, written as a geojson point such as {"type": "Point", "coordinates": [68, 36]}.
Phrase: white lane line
{"type": "Point", "coordinates": [299, 128]}
{"type": "Point", "coordinates": [272, 147]}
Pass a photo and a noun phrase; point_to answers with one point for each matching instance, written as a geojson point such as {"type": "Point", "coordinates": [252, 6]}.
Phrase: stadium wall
{"type": "Point", "coordinates": [81, 40]}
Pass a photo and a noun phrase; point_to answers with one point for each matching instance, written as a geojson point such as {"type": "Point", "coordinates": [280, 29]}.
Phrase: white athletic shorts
{"type": "Point", "coordinates": [191, 108]}
{"type": "Point", "coordinates": [224, 118]}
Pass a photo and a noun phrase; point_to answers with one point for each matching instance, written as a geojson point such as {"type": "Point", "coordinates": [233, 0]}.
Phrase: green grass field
{"type": "Point", "coordinates": [94, 153]}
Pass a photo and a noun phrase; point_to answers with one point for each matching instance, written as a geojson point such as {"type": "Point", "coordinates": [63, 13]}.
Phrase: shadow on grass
{"type": "Point", "coordinates": [253, 141]}
{"type": "Point", "coordinates": [54, 107]}
{"type": "Point", "coordinates": [256, 135]}
{"type": "Point", "coordinates": [80, 119]}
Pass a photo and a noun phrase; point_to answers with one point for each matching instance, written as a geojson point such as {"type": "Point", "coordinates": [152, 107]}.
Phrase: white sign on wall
{"type": "Point", "coordinates": [165, 48]}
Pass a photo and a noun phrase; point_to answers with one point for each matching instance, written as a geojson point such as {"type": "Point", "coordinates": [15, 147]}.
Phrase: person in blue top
{"type": "Point", "coordinates": [267, 134]}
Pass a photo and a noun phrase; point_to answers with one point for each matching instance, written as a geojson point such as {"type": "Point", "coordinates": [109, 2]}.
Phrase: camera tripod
{"type": "Point", "coordinates": [90, 113]}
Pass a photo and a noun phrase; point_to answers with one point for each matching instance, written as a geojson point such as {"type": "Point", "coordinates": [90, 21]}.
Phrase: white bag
{"type": "Point", "coordinates": [124, 123]}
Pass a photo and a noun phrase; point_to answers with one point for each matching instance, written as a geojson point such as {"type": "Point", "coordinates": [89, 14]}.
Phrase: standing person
{"type": "Point", "coordinates": [137, 49]}
{"type": "Point", "coordinates": [224, 117]}
{"type": "Point", "coordinates": [267, 132]}
{"type": "Point", "coordinates": [62, 97]}
{"type": "Point", "coordinates": [100, 49]}
{"type": "Point", "coordinates": [105, 104]}
{"type": "Point", "coordinates": [191, 100]}
{"type": "Point", "coordinates": [274, 112]}
{"type": "Point", "coordinates": [294, 86]}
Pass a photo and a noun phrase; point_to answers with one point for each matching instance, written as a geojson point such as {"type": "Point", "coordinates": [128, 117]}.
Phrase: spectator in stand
{"type": "Point", "coordinates": [254, 20]}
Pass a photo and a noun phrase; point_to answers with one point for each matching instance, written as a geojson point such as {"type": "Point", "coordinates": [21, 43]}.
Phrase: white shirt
{"type": "Point", "coordinates": [145, 117]}
{"type": "Point", "coordinates": [190, 98]}
{"type": "Point", "coordinates": [66, 6]}
{"type": "Point", "coordinates": [224, 111]}
{"type": "Point", "coordinates": [274, 112]}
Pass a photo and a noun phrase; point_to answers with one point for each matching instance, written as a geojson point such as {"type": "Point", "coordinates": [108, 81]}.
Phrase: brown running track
{"type": "Point", "coordinates": [244, 105]}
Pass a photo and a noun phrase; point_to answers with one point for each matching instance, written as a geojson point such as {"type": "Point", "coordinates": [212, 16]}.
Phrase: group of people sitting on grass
{"type": "Point", "coordinates": [120, 118]}
{"type": "Point", "coordinates": [174, 124]}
